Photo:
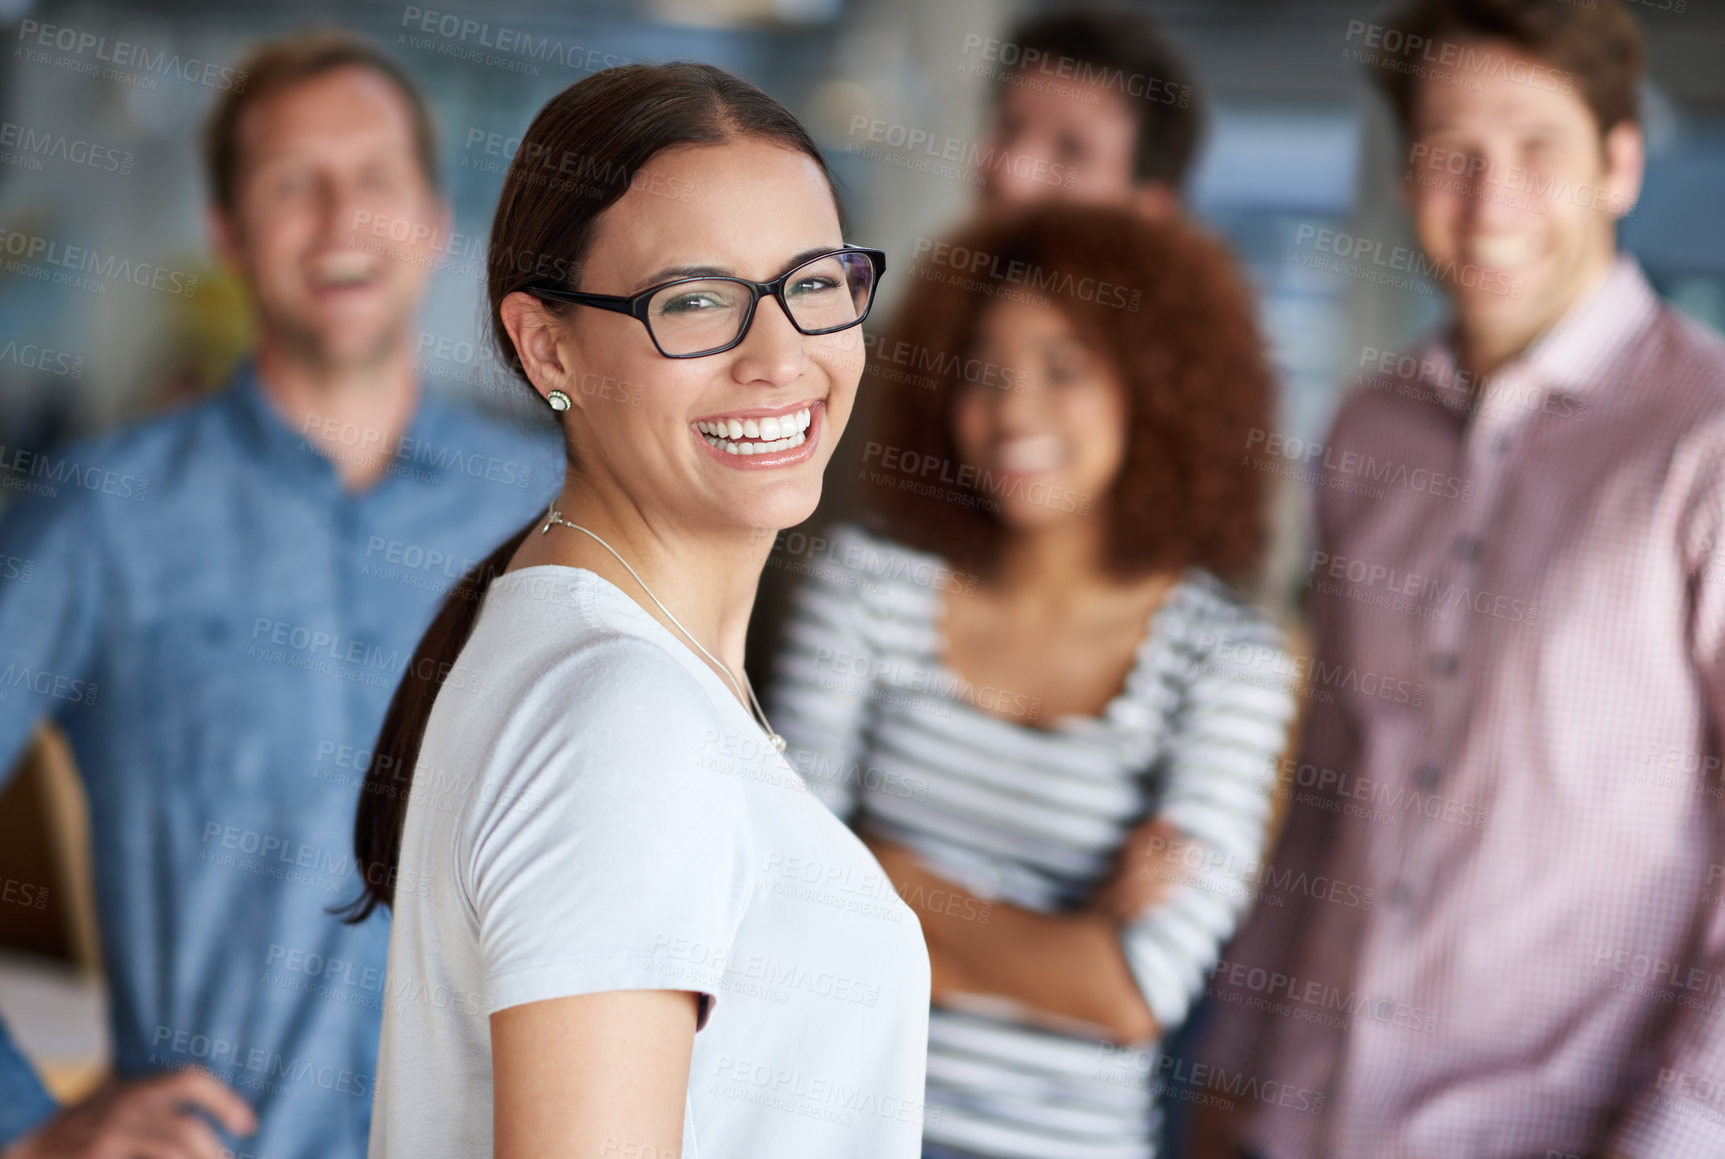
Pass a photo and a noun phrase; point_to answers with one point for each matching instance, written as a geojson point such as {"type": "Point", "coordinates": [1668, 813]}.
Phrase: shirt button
{"type": "Point", "coordinates": [1426, 777]}
{"type": "Point", "coordinates": [1468, 547]}
{"type": "Point", "coordinates": [1500, 444]}
{"type": "Point", "coordinates": [1400, 896]}
{"type": "Point", "coordinates": [1444, 663]}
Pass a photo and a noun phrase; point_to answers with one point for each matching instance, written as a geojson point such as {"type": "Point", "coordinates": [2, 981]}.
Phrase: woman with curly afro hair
{"type": "Point", "coordinates": [1029, 680]}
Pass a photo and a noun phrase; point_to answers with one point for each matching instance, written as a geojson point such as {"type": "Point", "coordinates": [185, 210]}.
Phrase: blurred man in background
{"type": "Point", "coordinates": [1510, 813]}
{"type": "Point", "coordinates": [1095, 107]}
{"type": "Point", "coordinates": [246, 624]}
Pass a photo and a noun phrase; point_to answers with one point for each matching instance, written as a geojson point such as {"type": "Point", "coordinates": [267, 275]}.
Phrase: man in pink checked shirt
{"type": "Point", "coordinates": [1502, 934]}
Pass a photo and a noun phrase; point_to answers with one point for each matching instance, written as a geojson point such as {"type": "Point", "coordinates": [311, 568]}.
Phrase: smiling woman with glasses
{"type": "Point", "coordinates": [604, 936]}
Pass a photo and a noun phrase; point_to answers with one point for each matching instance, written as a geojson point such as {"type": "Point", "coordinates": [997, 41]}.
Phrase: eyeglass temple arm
{"type": "Point", "coordinates": [581, 297]}
{"type": "Point", "coordinates": [878, 257]}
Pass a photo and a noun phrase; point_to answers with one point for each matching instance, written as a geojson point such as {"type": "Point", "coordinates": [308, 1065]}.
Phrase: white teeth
{"type": "Point", "coordinates": [1501, 251]}
{"type": "Point", "coordinates": [771, 427]}
{"type": "Point", "coordinates": [343, 269]}
{"type": "Point", "coordinates": [1029, 453]}
{"type": "Point", "coordinates": [740, 448]}
{"type": "Point", "coordinates": [770, 434]}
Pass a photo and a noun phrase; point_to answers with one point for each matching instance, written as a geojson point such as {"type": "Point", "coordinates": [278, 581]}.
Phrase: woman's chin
{"type": "Point", "coordinates": [785, 509]}
{"type": "Point", "coordinates": [1023, 522]}
{"type": "Point", "coordinates": [1040, 508]}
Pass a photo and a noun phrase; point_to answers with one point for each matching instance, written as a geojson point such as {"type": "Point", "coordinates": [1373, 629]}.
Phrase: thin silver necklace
{"type": "Point", "coordinates": [552, 515]}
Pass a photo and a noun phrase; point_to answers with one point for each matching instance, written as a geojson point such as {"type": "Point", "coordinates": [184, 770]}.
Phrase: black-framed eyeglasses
{"type": "Point", "coordinates": [695, 317]}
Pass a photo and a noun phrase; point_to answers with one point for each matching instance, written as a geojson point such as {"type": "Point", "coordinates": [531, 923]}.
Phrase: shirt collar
{"type": "Point", "coordinates": [1577, 354]}
{"type": "Point", "coordinates": [423, 449]}
{"type": "Point", "coordinates": [1573, 357]}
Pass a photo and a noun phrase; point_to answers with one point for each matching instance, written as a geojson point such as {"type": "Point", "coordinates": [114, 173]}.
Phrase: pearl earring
{"type": "Point", "coordinates": [558, 400]}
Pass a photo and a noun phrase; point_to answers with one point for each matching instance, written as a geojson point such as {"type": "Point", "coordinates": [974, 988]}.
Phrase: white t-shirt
{"type": "Point", "coordinates": [593, 810]}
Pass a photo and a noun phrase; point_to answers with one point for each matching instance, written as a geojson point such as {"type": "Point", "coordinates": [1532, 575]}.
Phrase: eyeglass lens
{"type": "Point", "coordinates": [827, 293]}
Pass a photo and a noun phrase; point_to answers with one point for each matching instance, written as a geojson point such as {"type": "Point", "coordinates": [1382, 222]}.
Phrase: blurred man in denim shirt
{"type": "Point", "coordinates": [222, 602]}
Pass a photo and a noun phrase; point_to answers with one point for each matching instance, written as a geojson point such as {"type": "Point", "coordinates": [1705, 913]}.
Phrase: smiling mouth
{"type": "Point", "coordinates": [1502, 251]}
{"type": "Point", "coordinates": [761, 435]}
{"type": "Point", "coordinates": [1029, 454]}
{"type": "Point", "coordinates": [343, 271]}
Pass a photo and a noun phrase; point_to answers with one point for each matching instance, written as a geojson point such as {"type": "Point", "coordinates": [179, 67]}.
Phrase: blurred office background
{"type": "Point", "coordinates": [99, 150]}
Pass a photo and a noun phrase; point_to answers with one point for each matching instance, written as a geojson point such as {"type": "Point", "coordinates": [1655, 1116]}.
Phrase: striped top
{"type": "Point", "coordinates": [1034, 816]}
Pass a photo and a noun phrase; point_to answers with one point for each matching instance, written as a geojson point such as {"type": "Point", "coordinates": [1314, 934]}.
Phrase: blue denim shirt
{"type": "Point", "coordinates": [23, 1101]}
{"type": "Point", "coordinates": [218, 625]}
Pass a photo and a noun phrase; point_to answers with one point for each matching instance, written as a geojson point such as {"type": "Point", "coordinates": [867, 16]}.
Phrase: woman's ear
{"type": "Point", "coordinates": [541, 341]}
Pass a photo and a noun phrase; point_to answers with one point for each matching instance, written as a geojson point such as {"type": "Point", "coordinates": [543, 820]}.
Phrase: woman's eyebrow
{"type": "Point", "coordinates": [671, 273]}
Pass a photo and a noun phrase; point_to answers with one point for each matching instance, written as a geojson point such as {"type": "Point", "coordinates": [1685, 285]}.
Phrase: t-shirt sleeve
{"type": "Point", "coordinates": [1231, 726]}
{"type": "Point", "coordinates": [603, 849]}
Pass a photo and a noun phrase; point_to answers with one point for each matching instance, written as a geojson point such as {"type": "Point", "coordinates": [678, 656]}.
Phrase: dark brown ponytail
{"type": "Point", "coordinates": [383, 800]}
{"type": "Point", "coordinates": [579, 156]}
